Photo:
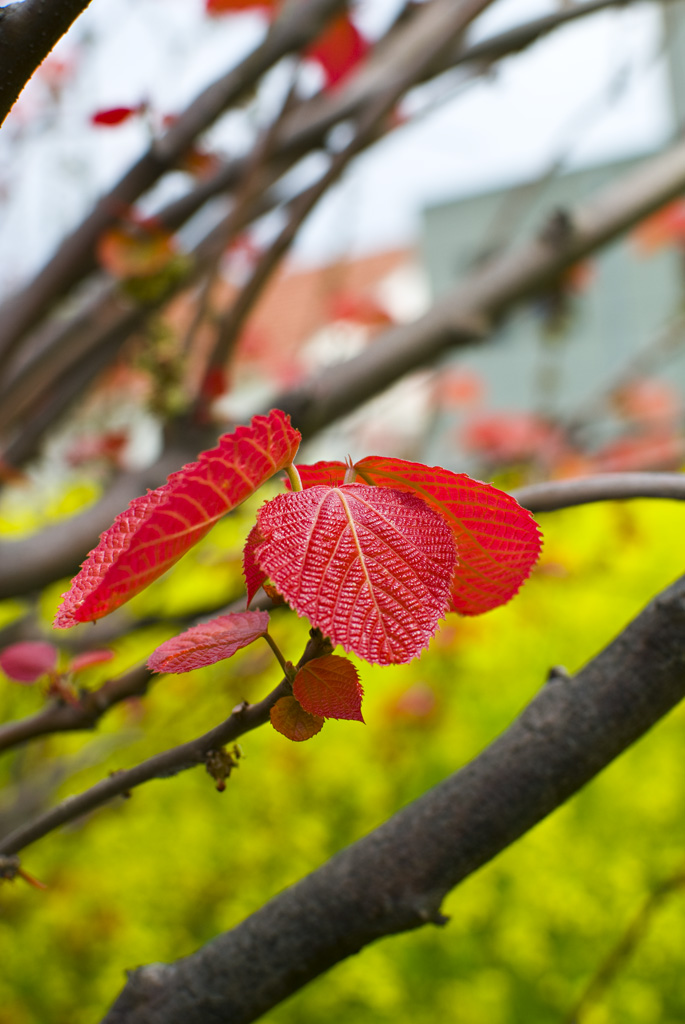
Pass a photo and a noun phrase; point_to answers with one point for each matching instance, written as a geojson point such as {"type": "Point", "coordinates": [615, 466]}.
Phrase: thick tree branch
{"type": "Point", "coordinates": [243, 718]}
{"type": "Point", "coordinates": [28, 31]}
{"type": "Point", "coordinates": [396, 877]}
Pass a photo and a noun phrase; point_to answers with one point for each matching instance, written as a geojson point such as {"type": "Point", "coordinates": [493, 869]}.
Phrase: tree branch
{"type": "Point", "coordinates": [243, 718]}
{"type": "Point", "coordinates": [58, 716]}
{"type": "Point", "coordinates": [395, 878]}
{"type": "Point", "coordinates": [297, 24]}
{"type": "Point", "coordinates": [560, 494]}
{"type": "Point", "coordinates": [28, 31]}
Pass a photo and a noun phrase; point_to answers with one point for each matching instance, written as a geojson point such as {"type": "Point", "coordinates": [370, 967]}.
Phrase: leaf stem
{"type": "Point", "coordinates": [294, 477]}
{"type": "Point", "coordinates": [287, 666]}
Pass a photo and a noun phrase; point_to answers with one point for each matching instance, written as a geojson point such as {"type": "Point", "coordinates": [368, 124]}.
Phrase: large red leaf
{"type": "Point", "coordinates": [371, 567]}
{"type": "Point", "coordinates": [156, 529]}
{"type": "Point", "coordinates": [209, 642]}
{"type": "Point", "coordinates": [498, 541]}
{"type": "Point", "coordinates": [28, 660]}
{"type": "Point", "coordinates": [290, 719]}
{"type": "Point", "coordinates": [330, 687]}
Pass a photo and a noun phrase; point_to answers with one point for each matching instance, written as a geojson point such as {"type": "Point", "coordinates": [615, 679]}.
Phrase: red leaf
{"type": "Point", "coordinates": [370, 567]}
{"type": "Point", "coordinates": [27, 661]}
{"type": "Point", "coordinates": [290, 719]}
{"type": "Point", "coordinates": [330, 473]}
{"type": "Point", "coordinates": [89, 658]}
{"type": "Point", "coordinates": [113, 116]}
{"type": "Point", "coordinates": [134, 250]}
{"type": "Point", "coordinates": [156, 529]}
{"type": "Point", "coordinates": [218, 7]}
{"type": "Point", "coordinates": [330, 687]}
{"type": "Point", "coordinates": [663, 228]}
{"type": "Point", "coordinates": [254, 577]}
{"type": "Point", "coordinates": [338, 49]}
{"type": "Point", "coordinates": [498, 541]}
{"type": "Point", "coordinates": [209, 642]}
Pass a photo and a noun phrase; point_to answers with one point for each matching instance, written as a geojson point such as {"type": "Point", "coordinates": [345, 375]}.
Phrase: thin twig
{"type": "Point", "coordinates": [617, 957]}
{"type": "Point", "coordinates": [60, 716]}
{"type": "Point", "coordinates": [242, 719]}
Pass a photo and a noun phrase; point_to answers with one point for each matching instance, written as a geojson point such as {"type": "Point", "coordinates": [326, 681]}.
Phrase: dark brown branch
{"type": "Point", "coordinates": [559, 494]}
{"type": "Point", "coordinates": [58, 716]}
{"type": "Point", "coordinates": [395, 878]}
{"type": "Point", "coordinates": [177, 759]}
{"type": "Point", "coordinates": [28, 31]}
{"type": "Point", "coordinates": [296, 26]}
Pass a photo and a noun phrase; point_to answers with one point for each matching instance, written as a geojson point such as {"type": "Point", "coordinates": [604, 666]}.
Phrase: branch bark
{"type": "Point", "coordinates": [58, 716]}
{"type": "Point", "coordinates": [242, 719]}
{"type": "Point", "coordinates": [28, 31]}
{"type": "Point", "coordinates": [395, 878]}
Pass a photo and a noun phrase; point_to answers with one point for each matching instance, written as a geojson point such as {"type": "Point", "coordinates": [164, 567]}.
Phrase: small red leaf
{"type": "Point", "coordinates": [369, 566]}
{"type": "Point", "coordinates": [217, 7]}
{"type": "Point", "coordinates": [28, 660]}
{"type": "Point", "coordinates": [156, 529]}
{"type": "Point", "coordinates": [330, 687]}
{"type": "Point", "coordinates": [498, 541]}
{"type": "Point", "coordinates": [135, 250]}
{"type": "Point", "coordinates": [290, 719]}
{"type": "Point", "coordinates": [89, 658]}
{"type": "Point", "coordinates": [338, 49]}
{"type": "Point", "coordinates": [113, 116]}
{"type": "Point", "coordinates": [209, 642]}
{"type": "Point", "coordinates": [254, 577]}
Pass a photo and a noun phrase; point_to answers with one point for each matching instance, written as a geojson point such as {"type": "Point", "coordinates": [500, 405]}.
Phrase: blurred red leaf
{"type": "Point", "coordinates": [209, 642]}
{"type": "Point", "coordinates": [107, 446]}
{"type": "Point", "coordinates": [135, 250]}
{"type": "Point", "coordinates": [359, 309]}
{"type": "Point", "coordinates": [370, 567]}
{"type": "Point", "coordinates": [290, 719]}
{"type": "Point", "coordinates": [114, 115]}
{"type": "Point", "coordinates": [655, 450]}
{"type": "Point", "coordinates": [649, 401]}
{"type": "Point", "coordinates": [579, 277]}
{"type": "Point", "coordinates": [460, 387]}
{"type": "Point", "coordinates": [27, 661]}
{"type": "Point", "coordinates": [663, 228]}
{"type": "Point", "coordinates": [330, 687]}
{"type": "Point", "coordinates": [215, 8]}
{"type": "Point", "coordinates": [508, 436]}
{"type": "Point", "coordinates": [199, 162]}
{"type": "Point", "coordinates": [88, 659]}
{"type": "Point", "coordinates": [156, 529]}
{"type": "Point", "coordinates": [339, 48]}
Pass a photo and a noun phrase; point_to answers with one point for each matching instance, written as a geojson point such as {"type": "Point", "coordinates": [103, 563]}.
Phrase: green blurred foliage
{"type": "Point", "coordinates": [152, 877]}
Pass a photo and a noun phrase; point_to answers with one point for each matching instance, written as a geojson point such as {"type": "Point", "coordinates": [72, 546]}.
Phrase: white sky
{"type": "Point", "coordinates": [553, 101]}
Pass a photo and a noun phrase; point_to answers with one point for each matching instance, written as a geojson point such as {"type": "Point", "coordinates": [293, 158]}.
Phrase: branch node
{"type": "Point", "coordinates": [557, 674]}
